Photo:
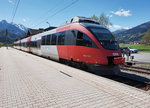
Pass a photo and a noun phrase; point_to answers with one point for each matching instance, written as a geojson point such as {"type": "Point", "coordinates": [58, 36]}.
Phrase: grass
{"type": "Point", "coordinates": [1, 44]}
{"type": "Point", "coordinates": [140, 47]}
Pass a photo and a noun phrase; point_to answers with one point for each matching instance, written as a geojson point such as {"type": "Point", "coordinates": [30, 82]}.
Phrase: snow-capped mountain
{"type": "Point", "coordinates": [14, 30]}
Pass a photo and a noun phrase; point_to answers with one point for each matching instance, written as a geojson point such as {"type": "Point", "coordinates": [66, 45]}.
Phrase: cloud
{"type": "Point", "coordinates": [24, 20]}
{"type": "Point", "coordinates": [109, 16]}
{"type": "Point", "coordinates": [127, 28]}
{"type": "Point", "coordinates": [114, 26]}
{"type": "Point", "coordinates": [122, 12]}
{"type": "Point", "coordinates": [10, 1]}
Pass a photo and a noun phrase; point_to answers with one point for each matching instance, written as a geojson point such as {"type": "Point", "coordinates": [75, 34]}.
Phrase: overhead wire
{"type": "Point", "coordinates": [13, 10]}
{"type": "Point", "coordinates": [14, 14]}
{"type": "Point", "coordinates": [62, 9]}
{"type": "Point", "coordinates": [50, 10]}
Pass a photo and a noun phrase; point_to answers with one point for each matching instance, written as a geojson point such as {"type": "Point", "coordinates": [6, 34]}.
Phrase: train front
{"type": "Point", "coordinates": [108, 55]}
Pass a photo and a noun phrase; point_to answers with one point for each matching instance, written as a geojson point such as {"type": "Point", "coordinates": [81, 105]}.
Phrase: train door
{"type": "Point", "coordinates": [29, 44]}
{"type": "Point", "coordinates": [38, 47]}
{"type": "Point", "coordinates": [85, 46]}
{"type": "Point", "coordinates": [70, 41]}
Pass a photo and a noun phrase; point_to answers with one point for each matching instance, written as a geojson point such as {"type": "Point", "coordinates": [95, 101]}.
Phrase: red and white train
{"type": "Point", "coordinates": [82, 40]}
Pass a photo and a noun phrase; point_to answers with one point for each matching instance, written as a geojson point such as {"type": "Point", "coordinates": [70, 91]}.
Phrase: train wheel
{"type": "Point", "coordinates": [67, 62]}
{"type": "Point", "coordinates": [83, 66]}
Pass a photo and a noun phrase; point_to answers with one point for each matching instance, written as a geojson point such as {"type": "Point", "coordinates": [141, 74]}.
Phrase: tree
{"type": "Point", "coordinates": [146, 38]}
{"type": "Point", "coordinates": [103, 20]}
{"type": "Point", "coordinates": [1, 44]}
{"type": "Point", "coordinates": [95, 18]}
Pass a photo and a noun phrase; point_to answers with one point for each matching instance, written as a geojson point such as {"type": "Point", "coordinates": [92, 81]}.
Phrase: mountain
{"type": "Point", "coordinates": [119, 31]}
{"type": "Point", "coordinates": [14, 31]}
{"type": "Point", "coordinates": [133, 34]}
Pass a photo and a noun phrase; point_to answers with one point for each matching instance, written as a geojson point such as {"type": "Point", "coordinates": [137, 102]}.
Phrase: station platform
{"type": "Point", "coordinates": [29, 81]}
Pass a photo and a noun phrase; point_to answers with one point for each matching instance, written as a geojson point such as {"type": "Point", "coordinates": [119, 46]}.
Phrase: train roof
{"type": "Point", "coordinates": [85, 22]}
{"type": "Point", "coordinates": [79, 19]}
{"type": "Point", "coordinates": [91, 25]}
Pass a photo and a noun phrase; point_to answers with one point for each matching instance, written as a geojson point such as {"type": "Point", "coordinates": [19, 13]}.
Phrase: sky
{"type": "Point", "coordinates": [45, 13]}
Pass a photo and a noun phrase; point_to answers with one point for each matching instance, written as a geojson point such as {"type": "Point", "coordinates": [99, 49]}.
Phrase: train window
{"type": "Point", "coordinates": [102, 34]}
{"type": "Point", "coordinates": [35, 43]}
{"type": "Point", "coordinates": [53, 40]}
{"type": "Point", "coordinates": [43, 40]}
{"type": "Point", "coordinates": [25, 44]}
{"type": "Point", "coordinates": [79, 35]}
{"type": "Point", "coordinates": [48, 39]}
{"type": "Point", "coordinates": [70, 37]}
{"type": "Point", "coordinates": [61, 38]}
{"type": "Point", "coordinates": [79, 39]}
{"type": "Point", "coordinates": [28, 44]}
{"type": "Point", "coordinates": [38, 43]}
{"type": "Point", "coordinates": [32, 45]}
{"type": "Point", "coordinates": [87, 41]}
{"type": "Point", "coordinates": [84, 40]}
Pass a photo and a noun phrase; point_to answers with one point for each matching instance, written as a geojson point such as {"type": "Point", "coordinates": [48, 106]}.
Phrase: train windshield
{"type": "Point", "coordinates": [102, 34]}
{"type": "Point", "coordinates": [105, 37]}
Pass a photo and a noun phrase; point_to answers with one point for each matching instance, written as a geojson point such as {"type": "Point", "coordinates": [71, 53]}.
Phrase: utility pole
{"type": "Point", "coordinates": [48, 23]}
{"type": "Point", "coordinates": [6, 38]}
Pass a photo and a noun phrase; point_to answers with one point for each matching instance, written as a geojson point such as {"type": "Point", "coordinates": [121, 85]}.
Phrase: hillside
{"type": "Point", "coordinates": [119, 31]}
{"type": "Point", "coordinates": [133, 34]}
{"type": "Point", "coordinates": [14, 31]}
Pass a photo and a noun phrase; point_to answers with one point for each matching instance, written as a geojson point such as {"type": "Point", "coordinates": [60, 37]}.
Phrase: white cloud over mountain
{"type": "Point", "coordinates": [122, 12]}
{"type": "Point", "coordinates": [114, 26]}
{"type": "Point", "coordinates": [127, 28]}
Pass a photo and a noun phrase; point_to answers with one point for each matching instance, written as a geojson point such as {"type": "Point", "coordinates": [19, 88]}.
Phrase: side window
{"type": "Point", "coordinates": [35, 44]}
{"type": "Point", "coordinates": [70, 37]}
{"type": "Point", "coordinates": [23, 44]}
{"type": "Point", "coordinates": [31, 44]}
{"type": "Point", "coordinates": [61, 38]}
{"type": "Point", "coordinates": [79, 41]}
{"type": "Point", "coordinates": [53, 40]}
{"type": "Point", "coordinates": [38, 43]}
{"type": "Point", "coordinates": [26, 44]}
{"type": "Point", "coordinates": [48, 39]}
{"type": "Point", "coordinates": [43, 40]}
{"type": "Point", "coordinates": [84, 40]}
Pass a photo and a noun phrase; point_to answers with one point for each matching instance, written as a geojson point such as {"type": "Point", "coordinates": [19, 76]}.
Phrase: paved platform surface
{"type": "Point", "coordinates": [28, 81]}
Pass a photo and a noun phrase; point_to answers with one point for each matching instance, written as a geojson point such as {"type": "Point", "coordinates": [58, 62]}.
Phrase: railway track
{"type": "Point", "coordinates": [135, 69]}
{"type": "Point", "coordinates": [129, 81]}
{"type": "Point", "coordinates": [126, 80]}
